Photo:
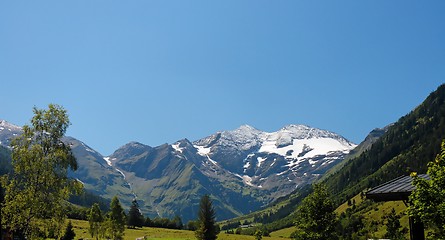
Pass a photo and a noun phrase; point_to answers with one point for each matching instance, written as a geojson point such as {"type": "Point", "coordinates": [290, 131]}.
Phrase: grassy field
{"type": "Point", "coordinates": [377, 214]}
{"type": "Point", "coordinates": [81, 230]}
{"type": "Point", "coordinates": [283, 233]}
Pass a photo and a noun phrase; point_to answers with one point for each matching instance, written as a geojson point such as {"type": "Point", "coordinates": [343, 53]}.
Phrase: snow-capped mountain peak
{"type": "Point", "coordinates": [4, 125]}
{"type": "Point", "coordinates": [301, 141]}
{"type": "Point", "coordinates": [243, 133]}
{"type": "Point", "coordinates": [295, 153]}
{"type": "Point", "coordinates": [7, 132]}
{"type": "Point", "coordinates": [246, 128]}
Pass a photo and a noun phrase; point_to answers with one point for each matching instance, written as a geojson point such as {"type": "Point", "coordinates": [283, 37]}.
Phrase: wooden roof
{"type": "Point", "coordinates": [395, 190]}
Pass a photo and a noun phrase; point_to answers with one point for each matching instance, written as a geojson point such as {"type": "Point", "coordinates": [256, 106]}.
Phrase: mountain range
{"type": "Point", "coordinates": [398, 149]}
{"type": "Point", "coordinates": [245, 169]}
{"type": "Point", "coordinates": [242, 169]}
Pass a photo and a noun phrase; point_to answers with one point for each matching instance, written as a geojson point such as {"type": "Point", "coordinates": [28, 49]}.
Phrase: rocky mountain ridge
{"type": "Point", "coordinates": [242, 169]}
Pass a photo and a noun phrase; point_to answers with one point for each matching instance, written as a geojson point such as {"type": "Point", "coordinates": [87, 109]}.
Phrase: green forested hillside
{"type": "Point", "coordinates": [407, 146]}
{"type": "Point", "coordinates": [372, 137]}
{"type": "Point", "coordinates": [5, 160]}
{"type": "Point", "coordinates": [401, 148]}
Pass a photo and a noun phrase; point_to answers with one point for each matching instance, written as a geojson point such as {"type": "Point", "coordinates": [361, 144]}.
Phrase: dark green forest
{"type": "Point", "coordinates": [406, 147]}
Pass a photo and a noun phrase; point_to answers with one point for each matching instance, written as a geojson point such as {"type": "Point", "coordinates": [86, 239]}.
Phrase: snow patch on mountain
{"type": "Point", "coordinates": [246, 166]}
{"type": "Point", "coordinates": [176, 147]}
{"type": "Point", "coordinates": [122, 173]}
{"type": "Point", "coordinates": [288, 141]}
{"type": "Point", "coordinates": [260, 160]}
{"type": "Point", "coordinates": [319, 146]}
{"type": "Point", "coordinates": [203, 151]}
{"type": "Point", "coordinates": [109, 161]}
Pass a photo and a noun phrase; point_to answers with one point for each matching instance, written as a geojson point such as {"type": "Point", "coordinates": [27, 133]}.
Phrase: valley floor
{"type": "Point", "coordinates": [81, 230]}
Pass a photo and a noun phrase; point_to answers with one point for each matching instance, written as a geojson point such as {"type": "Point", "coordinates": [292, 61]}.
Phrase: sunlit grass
{"type": "Point", "coordinates": [377, 214]}
{"type": "Point", "coordinates": [283, 233]}
{"type": "Point", "coordinates": [81, 230]}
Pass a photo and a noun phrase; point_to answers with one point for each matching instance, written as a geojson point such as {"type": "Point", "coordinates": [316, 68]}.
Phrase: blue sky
{"type": "Point", "coordinates": [159, 71]}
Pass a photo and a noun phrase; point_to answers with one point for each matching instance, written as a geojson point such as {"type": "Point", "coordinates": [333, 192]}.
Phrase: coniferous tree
{"type": "Point", "coordinates": [207, 230]}
{"type": "Point", "coordinates": [95, 220]}
{"type": "Point", "coordinates": [192, 225]}
{"type": "Point", "coordinates": [135, 218]}
{"type": "Point", "coordinates": [148, 222]}
{"type": "Point", "coordinates": [394, 229]}
{"type": "Point", "coordinates": [69, 232]}
{"type": "Point", "coordinates": [39, 185]}
{"type": "Point", "coordinates": [116, 220]}
{"type": "Point", "coordinates": [177, 222]}
{"type": "Point", "coordinates": [258, 234]}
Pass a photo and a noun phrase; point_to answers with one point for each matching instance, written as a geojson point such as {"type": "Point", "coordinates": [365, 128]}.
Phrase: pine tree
{"type": "Point", "coordinates": [148, 222]}
{"type": "Point", "coordinates": [394, 229]}
{"type": "Point", "coordinates": [316, 219]}
{"type": "Point", "coordinates": [207, 229]}
{"type": "Point", "coordinates": [258, 235]}
{"type": "Point", "coordinates": [69, 232]}
{"type": "Point", "coordinates": [135, 218]}
{"type": "Point", "coordinates": [177, 221]}
{"type": "Point", "coordinates": [95, 220]}
{"type": "Point", "coordinates": [39, 186]}
{"type": "Point", "coordinates": [116, 219]}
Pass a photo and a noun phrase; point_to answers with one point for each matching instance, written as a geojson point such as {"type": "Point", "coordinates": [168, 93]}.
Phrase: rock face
{"type": "Point", "coordinates": [279, 161]}
{"type": "Point", "coordinates": [242, 169]}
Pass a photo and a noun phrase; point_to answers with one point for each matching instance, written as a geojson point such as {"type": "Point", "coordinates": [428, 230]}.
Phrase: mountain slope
{"type": "Point", "coordinates": [407, 146]}
{"type": "Point", "coordinates": [242, 169]}
{"type": "Point", "coordinates": [96, 175]}
{"type": "Point", "coordinates": [170, 180]}
{"type": "Point", "coordinates": [280, 213]}
{"type": "Point", "coordinates": [365, 145]}
{"type": "Point", "coordinates": [93, 171]}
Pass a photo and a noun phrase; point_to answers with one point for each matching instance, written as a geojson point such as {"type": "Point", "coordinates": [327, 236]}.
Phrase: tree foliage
{"type": "Point", "coordinates": [258, 234]}
{"type": "Point", "coordinates": [39, 184]}
{"type": "Point", "coordinates": [428, 199]}
{"type": "Point", "coordinates": [394, 229]}
{"type": "Point", "coordinates": [95, 220]}
{"type": "Point", "coordinates": [135, 218]}
{"type": "Point", "coordinates": [116, 220]}
{"type": "Point", "coordinates": [69, 232]}
{"type": "Point", "coordinates": [207, 229]}
{"type": "Point", "coordinates": [315, 217]}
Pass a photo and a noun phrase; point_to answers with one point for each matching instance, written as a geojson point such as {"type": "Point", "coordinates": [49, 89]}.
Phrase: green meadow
{"type": "Point", "coordinates": [81, 230]}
